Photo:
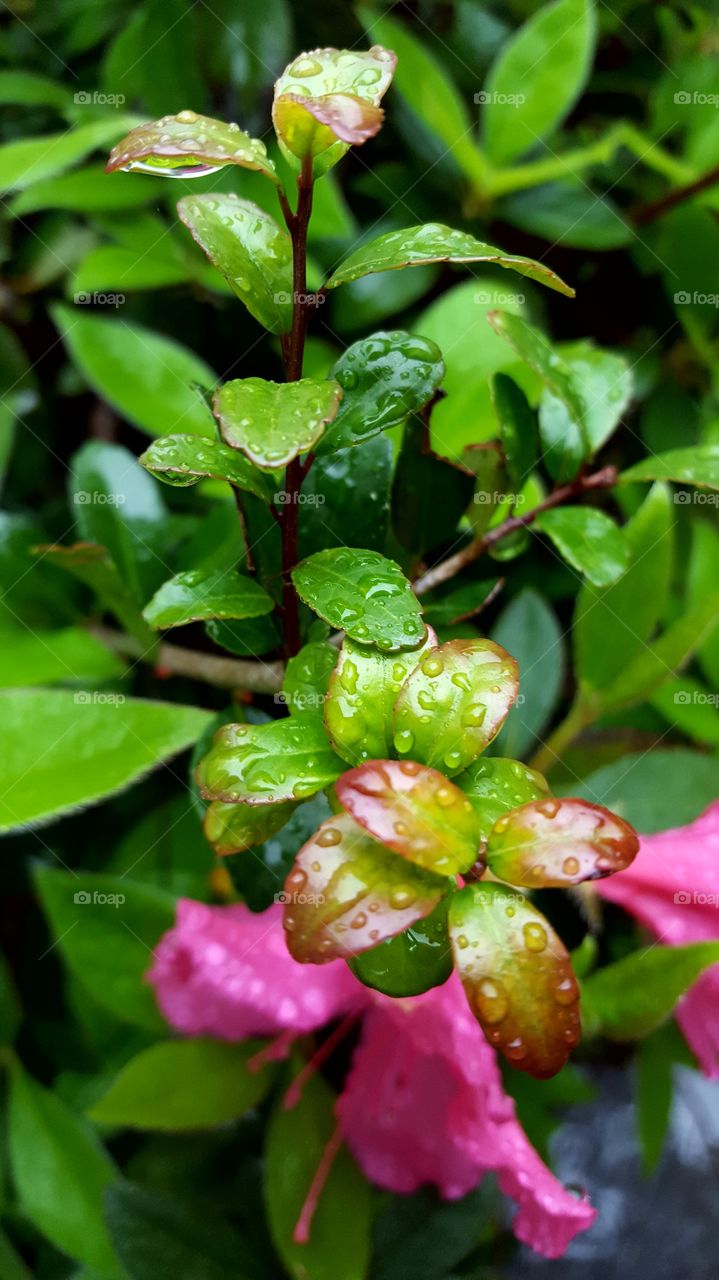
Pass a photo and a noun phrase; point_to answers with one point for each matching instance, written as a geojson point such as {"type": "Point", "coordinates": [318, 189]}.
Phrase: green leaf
{"type": "Point", "coordinates": [54, 657]}
{"type": "Point", "coordinates": [188, 145]}
{"type": "Point", "coordinates": [92, 565]}
{"type": "Point", "coordinates": [612, 624]}
{"type": "Point", "coordinates": [495, 786]}
{"type": "Point", "coordinates": [160, 1238]}
{"type": "Point", "coordinates": [429, 494]}
{"type": "Point", "coordinates": [347, 892]}
{"type": "Point", "coordinates": [690, 706]}
{"type": "Point", "coordinates": [384, 378]}
{"type": "Point", "coordinates": [569, 213]}
{"type": "Point", "coordinates": [529, 629]}
{"type": "Point", "coordinates": [433, 242]}
{"type": "Point", "coordinates": [605, 383]}
{"type": "Point", "coordinates": [327, 100]}
{"type": "Point", "coordinates": [28, 160]}
{"type": "Point", "coordinates": [60, 1171]}
{"type": "Point", "coordinates": [64, 750]}
{"type": "Point", "coordinates": [517, 429]}
{"type": "Point", "coordinates": [260, 878]}
{"type": "Point", "coordinates": [265, 763]}
{"type": "Point", "coordinates": [460, 603]}
{"type": "Point", "coordinates": [362, 593]}
{"type": "Point", "coordinates": [653, 1090]}
{"type": "Point", "coordinates": [517, 977]}
{"type": "Point", "coordinates": [346, 498]}
{"type": "Point", "coordinates": [307, 678]}
{"type": "Point", "coordinates": [144, 376]}
{"type": "Point", "coordinates": [701, 581]}
{"type": "Point", "coordinates": [630, 999]}
{"type": "Point", "coordinates": [655, 790]}
{"type": "Point", "coordinates": [413, 961]}
{"type": "Point", "coordinates": [415, 811]}
{"type": "Point", "coordinates": [532, 347]}
{"type": "Point", "coordinates": [250, 250]}
{"type": "Point", "coordinates": [339, 1242]}
{"type": "Point", "coordinates": [588, 540]}
{"type": "Point", "coordinates": [12, 1266]}
{"type": "Point", "coordinates": [552, 843]}
{"type": "Point", "coordinates": [361, 697]}
{"type": "Point", "coordinates": [86, 191]}
{"type": "Point", "coordinates": [106, 928]}
{"type": "Point", "coordinates": [117, 506]}
{"type": "Point", "coordinates": [697, 466]}
{"type": "Point", "coordinates": [537, 78]}
{"type": "Point", "coordinates": [184, 460]}
{"type": "Point", "coordinates": [196, 595]}
{"type": "Point", "coordinates": [27, 89]}
{"type": "Point", "coordinates": [184, 1084]}
{"type": "Point", "coordinates": [273, 422]}
{"type": "Point", "coordinates": [454, 703]}
{"type": "Point", "coordinates": [233, 828]}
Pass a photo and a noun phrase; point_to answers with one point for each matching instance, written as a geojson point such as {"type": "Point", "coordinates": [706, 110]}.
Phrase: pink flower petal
{"type": "Point", "coordinates": [226, 972]}
{"type": "Point", "coordinates": [673, 889]}
{"type": "Point", "coordinates": [424, 1104]}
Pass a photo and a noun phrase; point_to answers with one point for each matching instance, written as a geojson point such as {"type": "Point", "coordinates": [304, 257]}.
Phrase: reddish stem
{"type": "Point", "coordinates": [294, 1093]}
{"type": "Point", "coordinates": [301, 1233]}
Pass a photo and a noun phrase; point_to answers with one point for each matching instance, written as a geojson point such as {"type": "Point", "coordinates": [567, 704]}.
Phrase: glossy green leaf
{"type": "Point", "coordinates": [339, 1242]}
{"type": "Point", "coordinates": [362, 593]}
{"type": "Point", "coordinates": [454, 703]}
{"type": "Point", "coordinates": [414, 810]}
{"type": "Point", "coordinates": [697, 466]}
{"type": "Point", "coordinates": [347, 892]}
{"type": "Point", "coordinates": [60, 1171]}
{"type": "Point", "coordinates": [529, 629]}
{"type": "Point", "coordinates": [384, 378]}
{"type": "Point", "coordinates": [106, 928]}
{"type": "Point", "coordinates": [517, 429]}
{"type": "Point", "coordinates": [67, 656]}
{"type": "Point", "coordinates": [459, 603]}
{"type": "Point", "coordinates": [537, 78]}
{"type": "Point", "coordinates": [495, 785]}
{"type": "Point", "coordinates": [196, 595]}
{"type": "Point", "coordinates": [413, 961]}
{"type": "Point", "coordinates": [233, 828]}
{"type": "Point", "coordinates": [64, 750]}
{"type": "Point", "coordinates": [701, 580]}
{"type": "Point", "coordinates": [307, 678]}
{"type": "Point", "coordinates": [265, 763]}
{"type": "Point", "coordinates": [361, 697]}
{"type": "Point", "coordinates": [605, 382]}
{"type": "Point", "coordinates": [27, 160]}
{"type": "Point", "coordinates": [184, 460]}
{"type": "Point", "coordinates": [433, 242]}
{"type": "Point", "coordinates": [552, 843]}
{"type": "Point", "coordinates": [184, 1084]}
{"type": "Point", "coordinates": [261, 877]}
{"type": "Point", "coordinates": [533, 348]}
{"type": "Point", "coordinates": [92, 565]}
{"type": "Point", "coordinates": [273, 422]}
{"type": "Point", "coordinates": [346, 498]}
{"type": "Point", "coordinates": [630, 999]}
{"type": "Point", "coordinates": [517, 977]}
{"type": "Point", "coordinates": [327, 100]}
{"type": "Point", "coordinates": [588, 540]}
{"type": "Point", "coordinates": [249, 249]}
{"type": "Point", "coordinates": [188, 145]}
{"type": "Point", "coordinates": [430, 494]}
{"type": "Point", "coordinates": [145, 376]}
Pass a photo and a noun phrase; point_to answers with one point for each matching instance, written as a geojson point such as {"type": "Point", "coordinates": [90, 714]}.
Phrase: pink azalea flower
{"type": "Point", "coordinates": [423, 1102]}
{"type": "Point", "coordinates": [672, 887]}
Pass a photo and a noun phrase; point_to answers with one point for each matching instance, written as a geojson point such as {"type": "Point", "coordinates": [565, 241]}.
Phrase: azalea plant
{"type": "Point", "coordinates": [368, 925]}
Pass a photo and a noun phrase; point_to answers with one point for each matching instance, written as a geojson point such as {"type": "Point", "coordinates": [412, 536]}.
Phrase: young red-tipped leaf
{"type": "Point", "coordinates": [552, 843]}
{"type": "Point", "coordinates": [517, 977]}
{"type": "Point", "coordinates": [454, 703]}
{"type": "Point", "coordinates": [414, 810]}
{"type": "Point", "coordinates": [496, 785]}
{"type": "Point", "coordinates": [327, 100]}
{"type": "Point", "coordinates": [347, 892]}
{"type": "Point", "coordinates": [233, 828]}
{"type": "Point", "coordinates": [188, 145]}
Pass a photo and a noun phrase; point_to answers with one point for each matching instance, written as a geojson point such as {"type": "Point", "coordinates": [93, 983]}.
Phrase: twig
{"type": "Point", "coordinates": [225, 673]}
{"type": "Point", "coordinates": [645, 213]}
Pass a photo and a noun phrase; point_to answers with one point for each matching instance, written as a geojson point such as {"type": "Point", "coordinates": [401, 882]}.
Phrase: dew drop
{"type": "Point", "coordinates": [535, 936]}
{"type": "Point", "coordinates": [570, 866]}
{"type": "Point", "coordinates": [328, 837]}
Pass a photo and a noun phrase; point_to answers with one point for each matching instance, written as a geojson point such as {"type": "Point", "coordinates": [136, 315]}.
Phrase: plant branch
{"type": "Point", "coordinates": [225, 673]}
{"type": "Point", "coordinates": [645, 213]}
{"type": "Point", "coordinates": [447, 569]}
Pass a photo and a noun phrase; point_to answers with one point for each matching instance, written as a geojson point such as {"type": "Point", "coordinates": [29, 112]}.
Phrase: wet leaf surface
{"type": "Point", "coordinates": [188, 145]}
{"type": "Point", "coordinates": [273, 422]}
{"type": "Point", "coordinates": [265, 763]}
{"type": "Point", "coordinates": [347, 892]}
{"type": "Point", "coordinates": [414, 810]}
{"type": "Point", "coordinates": [517, 977]}
{"type": "Point", "coordinates": [495, 785]}
{"type": "Point", "coordinates": [554, 843]}
{"type": "Point", "coordinates": [362, 593]}
{"type": "Point", "coordinates": [412, 961]}
{"type": "Point", "coordinates": [454, 702]}
{"type": "Point", "coordinates": [234, 828]}
{"type": "Point", "coordinates": [185, 460]}
{"type": "Point", "coordinates": [196, 595]}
